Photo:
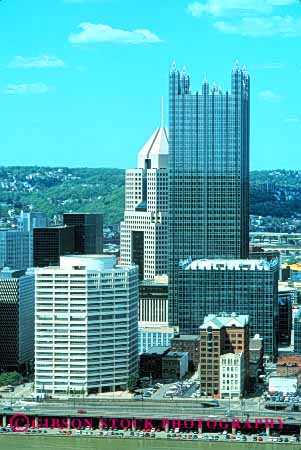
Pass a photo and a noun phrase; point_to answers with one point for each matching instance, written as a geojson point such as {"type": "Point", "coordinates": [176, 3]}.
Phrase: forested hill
{"type": "Point", "coordinates": [275, 193]}
{"type": "Point", "coordinates": [56, 190]}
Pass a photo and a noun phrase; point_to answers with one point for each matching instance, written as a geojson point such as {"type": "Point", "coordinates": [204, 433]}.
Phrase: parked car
{"type": "Point", "coordinates": [7, 408]}
{"type": "Point", "coordinates": [25, 408]}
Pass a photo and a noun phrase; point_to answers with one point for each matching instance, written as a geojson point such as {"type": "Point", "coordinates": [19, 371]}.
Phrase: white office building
{"type": "Point", "coordinates": [143, 232]}
{"type": "Point", "coordinates": [232, 375]}
{"type": "Point", "coordinates": [86, 326]}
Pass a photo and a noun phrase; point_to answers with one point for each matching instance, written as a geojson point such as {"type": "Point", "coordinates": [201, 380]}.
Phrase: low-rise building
{"type": "Point", "coordinates": [159, 363]}
{"type": "Point", "coordinates": [289, 365]}
{"type": "Point", "coordinates": [282, 384]}
{"type": "Point", "coordinates": [232, 375]}
{"type": "Point", "coordinates": [255, 358]}
{"type": "Point", "coordinates": [190, 344]}
{"type": "Point", "coordinates": [174, 366]}
{"type": "Point", "coordinates": [151, 363]}
{"type": "Point", "coordinates": [220, 334]}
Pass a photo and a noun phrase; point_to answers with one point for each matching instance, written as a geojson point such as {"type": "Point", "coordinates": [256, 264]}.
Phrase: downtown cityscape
{"type": "Point", "coordinates": [157, 299]}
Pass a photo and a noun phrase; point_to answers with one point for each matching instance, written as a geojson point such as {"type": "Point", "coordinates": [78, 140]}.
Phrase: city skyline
{"type": "Point", "coordinates": [58, 113]}
{"type": "Point", "coordinates": [147, 277]}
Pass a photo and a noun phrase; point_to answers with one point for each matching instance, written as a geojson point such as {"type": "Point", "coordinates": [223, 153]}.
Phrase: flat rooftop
{"type": "Point", "coordinates": [175, 354]}
{"type": "Point", "coordinates": [157, 349]}
{"type": "Point", "coordinates": [187, 337]}
{"type": "Point", "coordinates": [229, 264]}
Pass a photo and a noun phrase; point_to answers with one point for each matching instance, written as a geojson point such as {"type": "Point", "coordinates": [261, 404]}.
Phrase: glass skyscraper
{"type": "Point", "coordinates": [246, 287]}
{"type": "Point", "coordinates": [209, 210]}
{"type": "Point", "coordinates": [208, 174]}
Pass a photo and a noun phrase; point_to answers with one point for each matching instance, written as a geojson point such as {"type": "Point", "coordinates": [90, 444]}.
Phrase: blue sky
{"type": "Point", "coordinates": [81, 80]}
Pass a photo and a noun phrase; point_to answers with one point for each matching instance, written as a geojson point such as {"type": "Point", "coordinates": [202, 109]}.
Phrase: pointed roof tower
{"type": "Point", "coordinates": [154, 154]}
{"type": "Point", "coordinates": [236, 66]}
{"type": "Point", "coordinates": [173, 67]}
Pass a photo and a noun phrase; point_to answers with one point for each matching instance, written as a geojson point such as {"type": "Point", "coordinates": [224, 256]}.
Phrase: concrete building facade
{"type": "Point", "coordinates": [232, 375]}
{"type": "Point", "coordinates": [86, 330]}
{"type": "Point", "coordinates": [153, 301]}
{"type": "Point", "coordinates": [221, 334]}
{"type": "Point", "coordinates": [256, 358]}
{"type": "Point", "coordinates": [174, 366]}
{"type": "Point", "coordinates": [153, 314]}
{"type": "Point", "coordinates": [189, 344]}
{"type": "Point", "coordinates": [143, 232]}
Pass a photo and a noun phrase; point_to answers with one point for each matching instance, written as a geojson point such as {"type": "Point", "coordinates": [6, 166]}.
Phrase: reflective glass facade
{"type": "Point", "coordinates": [208, 176]}
{"type": "Point", "coordinates": [242, 290]}
{"type": "Point", "coordinates": [297, 332]}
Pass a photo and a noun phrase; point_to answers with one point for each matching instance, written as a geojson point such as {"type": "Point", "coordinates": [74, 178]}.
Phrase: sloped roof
{"type": "Point", "coordinates": [219, 321]}
{"type": "Point", "coordinates": [155, 149]}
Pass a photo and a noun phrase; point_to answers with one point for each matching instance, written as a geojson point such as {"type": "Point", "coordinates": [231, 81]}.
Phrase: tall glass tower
{"type": "Point", "coordinates": [208, 175]}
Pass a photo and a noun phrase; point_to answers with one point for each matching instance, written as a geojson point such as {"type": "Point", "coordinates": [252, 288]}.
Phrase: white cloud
{"type": "Point", "coordinates": [262, 26]}
{"type": "Point", "coordinates": [224, 7]}
{"type": "Point", "coordinates": [281, 2]}
{"type": "Point", "coordinates": [91, 32]}
{"type": "Point", "coordinates": [26, 88]}
{"type": "Point", "coordinates": [293, 120]}
{"type": "Point", "coordinates": [270, 96]}
{"type": "Point", "coordinates": [270, 66]}
{"type": "Point", "coordinates": [36, 62]}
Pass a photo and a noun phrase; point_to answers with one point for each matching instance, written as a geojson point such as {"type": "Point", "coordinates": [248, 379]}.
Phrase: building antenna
{"type": "Point", "coordinates": [162, 111]}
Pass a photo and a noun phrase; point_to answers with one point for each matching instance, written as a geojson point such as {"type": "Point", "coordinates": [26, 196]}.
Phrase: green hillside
{"type": "Point", "coordinates": [56, 190]}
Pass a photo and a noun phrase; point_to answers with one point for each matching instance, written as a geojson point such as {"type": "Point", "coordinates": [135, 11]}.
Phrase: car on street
{"type": "Point", "coordinates": [82, 411]}
{"type": "Point", "coordinates": [25, 408]}
{"type": "Point", "coordinates": [7, 408]}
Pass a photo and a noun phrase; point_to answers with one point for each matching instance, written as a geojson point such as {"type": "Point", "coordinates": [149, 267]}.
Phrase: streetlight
{"type": "Point", "coordinates": [243, 406]}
